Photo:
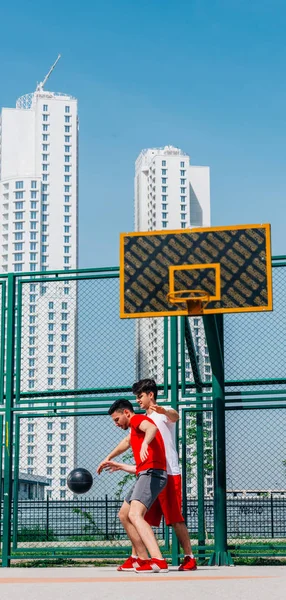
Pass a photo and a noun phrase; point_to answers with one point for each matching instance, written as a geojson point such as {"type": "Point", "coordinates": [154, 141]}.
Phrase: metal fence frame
{"type": "Point", "coordinates": [174, 390]}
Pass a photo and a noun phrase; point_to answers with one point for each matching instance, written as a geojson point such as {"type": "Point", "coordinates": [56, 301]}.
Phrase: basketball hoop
{"type": "Point", "coordinates": [196, 300]}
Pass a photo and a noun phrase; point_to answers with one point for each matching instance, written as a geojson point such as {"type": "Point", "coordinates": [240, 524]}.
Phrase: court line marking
{"type": "Point", "coordinates": [153, 578]}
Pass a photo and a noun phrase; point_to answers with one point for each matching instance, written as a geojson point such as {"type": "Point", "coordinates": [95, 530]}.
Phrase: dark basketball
{"type": "Point", "coordinates": [79, 481]}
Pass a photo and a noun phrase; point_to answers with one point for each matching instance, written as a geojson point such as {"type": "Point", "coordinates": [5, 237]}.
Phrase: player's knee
{"type": "Point", "coordinates": [134, 515]}
{"type": "Point", "coordinates": [123, 515]}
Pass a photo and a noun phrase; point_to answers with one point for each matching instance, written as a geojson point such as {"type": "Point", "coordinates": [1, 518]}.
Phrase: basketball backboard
{"type": "Point", "coordinates": [229, 268]}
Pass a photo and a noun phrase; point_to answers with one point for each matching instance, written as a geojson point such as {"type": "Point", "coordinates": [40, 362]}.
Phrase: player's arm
{"type": "Point", "coordinates": [150, 431]}
{"type": "Point", "coordinates": [170, 413]}
{"type": "Point", "coordinates": [120, 449]}
{"type": "Point", "coordinates": [112, 465]}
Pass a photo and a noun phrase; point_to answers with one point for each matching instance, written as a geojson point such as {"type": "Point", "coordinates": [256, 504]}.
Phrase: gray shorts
{"type": "Point", "coordinates": [147, 487]}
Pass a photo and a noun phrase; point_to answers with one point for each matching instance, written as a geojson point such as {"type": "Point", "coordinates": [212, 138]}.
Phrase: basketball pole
{"type": "Point", "coordinates": [174, 355]}
{"type": "Point", "coordinates": [213, 325]}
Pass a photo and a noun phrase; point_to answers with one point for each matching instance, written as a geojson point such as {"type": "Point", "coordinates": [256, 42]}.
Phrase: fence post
{"type": "Point", "coordinates": [174, 403]}
{"type": "Point", "coordinates": [8, 451]}
{"type": "Point", "coordinates": [106, 517]}
{"type": "Point", "coordinates": [47, 519]}
{"type": "Point", "coordinates": [188, 339]}
{"type": "Point", "coordinates": [272, 515]}
{"type": "Point", "coordinates": [214, 334]}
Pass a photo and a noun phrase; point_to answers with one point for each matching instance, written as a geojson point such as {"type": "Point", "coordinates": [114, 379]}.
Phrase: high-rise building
{"type": "Point", "coordinates": [39, 205]}
{"type": "Point", "coordinates": [170, 193]}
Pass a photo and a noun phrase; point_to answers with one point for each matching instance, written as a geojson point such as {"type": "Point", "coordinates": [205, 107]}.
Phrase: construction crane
{"type": "Point", "coordinates": [40, 86]}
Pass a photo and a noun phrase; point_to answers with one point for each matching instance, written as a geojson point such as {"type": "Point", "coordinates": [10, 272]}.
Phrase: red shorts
{"type": "Point", "coordinates": [168, 503]}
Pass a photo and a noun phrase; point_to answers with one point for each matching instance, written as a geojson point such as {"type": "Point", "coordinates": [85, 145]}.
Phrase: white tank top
{"type": "Point", "coordinates": [168, 432]}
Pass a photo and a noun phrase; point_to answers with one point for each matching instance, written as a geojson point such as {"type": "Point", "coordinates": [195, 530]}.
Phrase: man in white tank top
{"type": "Point", "coordinates": [169, 501]}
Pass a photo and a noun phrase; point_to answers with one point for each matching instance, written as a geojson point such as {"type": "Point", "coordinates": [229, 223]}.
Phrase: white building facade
{"type": "Point", "coordinates": [170, 193]}
{"type": "Point", "coordinates": [39, 207]}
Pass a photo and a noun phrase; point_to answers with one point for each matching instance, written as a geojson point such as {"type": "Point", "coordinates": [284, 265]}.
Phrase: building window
{"type": "Point", "coordinates": [19, 185]}
{"type": "Point", "coordinates": [164, 189]}
{"type": "Point", "coordinates": [67, 128]}
{"type": "Point", "coordinates": [50, 381]}
{"type": "Point", "coordinates": [64, 349]}
{"type": "Point", "coordinates": [164, 224]}
{"type": "Point", "coordinates": [18, 267]}
{"type": "Point", "coordinates": [50, 425]}
{"type": "Point", "coordinates": [164, 180]}
{"type": "Point", "coordinates": [45, 128]}
{"type": "Point", "coordinates": [19, 195]}
{"type": "Point", "coordinates": [45, 117]}
{"type": "Point", "coordinates": [163, 163]}
{"type": "Point", "coordinates": [63, 494]}
{"type": "Point", "coordinates": [67, 168]}
{"type": "Point", "coordinates": [63, 426]}
{"type": "Point", "coordinates": [183, 225]}
{"type": "Point", "coordinates": [49, 460]}
{"type": "Point", "coordinates": [64, 381]}
{"type": "Point", "coordinates": [63, 460]}
{"type": "Point", "coordinates": [182, 164]}
{"type": "Point", "coordinates": [67, 119]}
{"type": "Point", "coordinates": [45, 108]}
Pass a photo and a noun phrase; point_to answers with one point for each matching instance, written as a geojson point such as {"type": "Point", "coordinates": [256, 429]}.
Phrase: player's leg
{"type": "Point", "coordinates": [136, 515]}
{"type": "Point", "coordinates": [138, 548]}
{"type": "Point", "coordinates": [146, 490]}
{"type": "Point", "coordinates": [171, 503]}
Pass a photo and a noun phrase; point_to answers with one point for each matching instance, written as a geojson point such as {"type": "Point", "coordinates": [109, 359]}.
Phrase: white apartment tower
{"type": "Point", "coordinates": [39, 204]}
{"type": "Point", "coordinates": [170, 193]}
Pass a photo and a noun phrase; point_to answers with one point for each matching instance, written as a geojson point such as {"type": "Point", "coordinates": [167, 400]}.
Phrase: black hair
{"type": "Point", "coordinates": [120, 405]}
{"type": "Point", "coordinates": [145, 386]}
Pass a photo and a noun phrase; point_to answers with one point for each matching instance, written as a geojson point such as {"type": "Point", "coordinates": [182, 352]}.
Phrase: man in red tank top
{"type": "Point", "coordinates": [151, 478]}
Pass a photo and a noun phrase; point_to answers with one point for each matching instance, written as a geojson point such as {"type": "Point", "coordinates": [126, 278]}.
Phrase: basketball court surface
{"type": "Point", "coordinates": [105, 583]}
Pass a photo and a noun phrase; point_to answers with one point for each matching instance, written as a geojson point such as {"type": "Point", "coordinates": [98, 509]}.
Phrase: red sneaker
{"type": "Point", "coordinates": [188, 564]}
{"type": "Point", "coordinates": [153, 565]}
{"type": "Point", "coordinates": [129, 564]}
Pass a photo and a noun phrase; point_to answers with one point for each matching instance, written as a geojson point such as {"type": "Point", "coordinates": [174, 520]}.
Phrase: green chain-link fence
{"type": "Point", "coordinates": [65, 355]}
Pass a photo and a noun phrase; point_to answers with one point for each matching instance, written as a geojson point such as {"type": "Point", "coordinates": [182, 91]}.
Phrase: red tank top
{"type": "Point", "coordinates": [156, 458]}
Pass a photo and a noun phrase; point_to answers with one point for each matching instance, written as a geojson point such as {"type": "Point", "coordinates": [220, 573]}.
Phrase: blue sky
{"type": "Point", "coordinates": [205, 75]}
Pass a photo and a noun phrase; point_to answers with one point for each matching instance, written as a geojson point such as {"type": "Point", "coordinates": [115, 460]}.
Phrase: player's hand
{"type": "Point", "coordinates": [158, 409]}
{"type": "Point", "coordinates": [144, 451]}
{"type": "Point", "coordinates": [111, 465]}
{"type": "Point", "coordinates": [101, 466]}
